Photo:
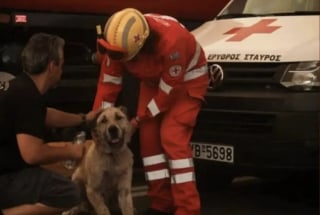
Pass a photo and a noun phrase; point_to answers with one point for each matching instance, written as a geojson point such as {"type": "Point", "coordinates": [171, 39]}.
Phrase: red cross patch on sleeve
{"type": "Point", "coordinates": [175, 70]}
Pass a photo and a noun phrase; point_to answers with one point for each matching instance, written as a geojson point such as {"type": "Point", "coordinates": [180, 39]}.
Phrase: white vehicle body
{"type": "Point", "coordinates": [264, 114]}
{"type": "Point", "coordinates": [261, 39]}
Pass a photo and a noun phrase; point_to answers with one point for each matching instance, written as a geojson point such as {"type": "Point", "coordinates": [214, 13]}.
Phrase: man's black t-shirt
{"type": "Point", "coordinates": [22, 110]}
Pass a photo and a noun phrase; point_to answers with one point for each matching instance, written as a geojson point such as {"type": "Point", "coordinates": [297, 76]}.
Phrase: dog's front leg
{"type": "Point", "coordinates": [97, 201]}
{"type": "Point", "coordinates": [124, 194]}
{"type": "Point", "coordinates": [125, 202]}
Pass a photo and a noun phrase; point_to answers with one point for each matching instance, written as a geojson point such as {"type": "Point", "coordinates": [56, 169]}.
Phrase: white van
{"type": "Point", "coordinates": [264, 116]}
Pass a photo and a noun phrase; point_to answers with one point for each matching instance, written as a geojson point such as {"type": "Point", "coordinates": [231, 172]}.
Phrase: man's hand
{"type": "Point", "coordinates": [91, 116]}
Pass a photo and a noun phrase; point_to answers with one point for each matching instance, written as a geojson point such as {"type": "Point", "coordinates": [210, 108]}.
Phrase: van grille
{"type": "Point", "coordinates": [233, 124]}
{"type": "Point", "coordinates": [253, 75]}
{"type": "Point", "coordinates": [245, 105]}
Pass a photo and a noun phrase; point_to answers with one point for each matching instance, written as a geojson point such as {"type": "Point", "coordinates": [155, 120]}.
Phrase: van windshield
{"type": "Point", "coordinates": [244, 8]}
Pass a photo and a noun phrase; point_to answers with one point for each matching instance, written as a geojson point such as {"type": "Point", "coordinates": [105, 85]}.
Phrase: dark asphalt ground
{"type": "Point", "coordinates": [250, 196]}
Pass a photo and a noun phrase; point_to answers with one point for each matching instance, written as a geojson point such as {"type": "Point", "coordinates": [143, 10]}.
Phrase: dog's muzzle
{"type": "Point", "coordinates": [114, 135]}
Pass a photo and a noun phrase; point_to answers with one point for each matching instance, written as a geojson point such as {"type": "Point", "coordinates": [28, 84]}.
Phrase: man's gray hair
{"type": "Point", "coordinates": [40, 50]}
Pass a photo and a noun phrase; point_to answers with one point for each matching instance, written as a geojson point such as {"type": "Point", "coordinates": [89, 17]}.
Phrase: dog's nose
{"type": "Point", "coordinates": [113, 131]}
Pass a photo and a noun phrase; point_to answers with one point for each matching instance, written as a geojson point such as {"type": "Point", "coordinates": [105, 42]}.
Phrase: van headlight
{"type": "Point", "coordinates": [302, 76]}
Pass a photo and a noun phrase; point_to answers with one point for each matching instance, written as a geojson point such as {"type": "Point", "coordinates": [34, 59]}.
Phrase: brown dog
{"type": "Point", "coordinates": [105, 173]}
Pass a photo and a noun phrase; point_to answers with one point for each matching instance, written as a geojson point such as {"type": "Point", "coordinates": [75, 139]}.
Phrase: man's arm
{"type": "Point", "coordinates": [35, 152]}
{"type": "Point", "coordinates": [58, 118]}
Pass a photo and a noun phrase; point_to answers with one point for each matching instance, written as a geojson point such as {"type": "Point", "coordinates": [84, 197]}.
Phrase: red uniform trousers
{"type": "Point", "coordinates": [166, 152]}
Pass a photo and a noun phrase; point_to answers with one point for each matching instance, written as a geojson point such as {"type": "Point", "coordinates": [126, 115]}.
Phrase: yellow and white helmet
{"type": "Point", "coordinates": [125, 31]}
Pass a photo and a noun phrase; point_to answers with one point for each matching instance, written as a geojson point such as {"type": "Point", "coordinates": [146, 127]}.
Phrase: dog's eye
{"type": "Point", "coordinates": [119, 117]}
{"type": "Point", "coordinates": [104, 120]}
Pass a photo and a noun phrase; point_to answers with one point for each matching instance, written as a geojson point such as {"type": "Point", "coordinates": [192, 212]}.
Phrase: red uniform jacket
{"type": "Point", "coordinates": [178, 61]}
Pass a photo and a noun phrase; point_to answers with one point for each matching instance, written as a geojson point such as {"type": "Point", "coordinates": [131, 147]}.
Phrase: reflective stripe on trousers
{"type": "Point", "coordinates": [167, 156]}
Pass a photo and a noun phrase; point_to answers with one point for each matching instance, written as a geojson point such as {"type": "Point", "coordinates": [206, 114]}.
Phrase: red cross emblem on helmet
{"type": "Point", "coordinates": [136, 38]}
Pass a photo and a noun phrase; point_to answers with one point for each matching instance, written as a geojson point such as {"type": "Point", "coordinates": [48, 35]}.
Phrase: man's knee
{"type": "Point", "coordinates": [63, 194]}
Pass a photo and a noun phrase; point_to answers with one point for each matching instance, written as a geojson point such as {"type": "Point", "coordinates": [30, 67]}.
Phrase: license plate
{"type": "Point", "coordinates": [214, 152]}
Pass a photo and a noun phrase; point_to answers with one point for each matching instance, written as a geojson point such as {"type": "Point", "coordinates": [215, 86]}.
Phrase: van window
{"type": "Point", "coordinates": [271, 6]}
{"type": "Point", "coordinates": [283, 6]}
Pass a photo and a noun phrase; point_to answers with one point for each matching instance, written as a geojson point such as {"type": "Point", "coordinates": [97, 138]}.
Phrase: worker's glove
{"type": "Point", "coordinates": [134, 124]}
{"type": "Point", "coordinates": [136, 120]}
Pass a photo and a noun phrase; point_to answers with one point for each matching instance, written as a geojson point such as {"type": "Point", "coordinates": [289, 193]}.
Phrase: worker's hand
{"type": "Point", "coordinates": [134, 124]}
{"type": "Point", "coordinates": [135, 121]}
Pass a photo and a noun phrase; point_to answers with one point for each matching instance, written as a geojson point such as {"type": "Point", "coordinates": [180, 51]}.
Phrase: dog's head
{"type": "Point", "coordinates": [112, 129]}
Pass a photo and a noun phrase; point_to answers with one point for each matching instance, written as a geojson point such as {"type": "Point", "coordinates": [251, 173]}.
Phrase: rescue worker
{"type": "Point", "coordinates": [171, 67]}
